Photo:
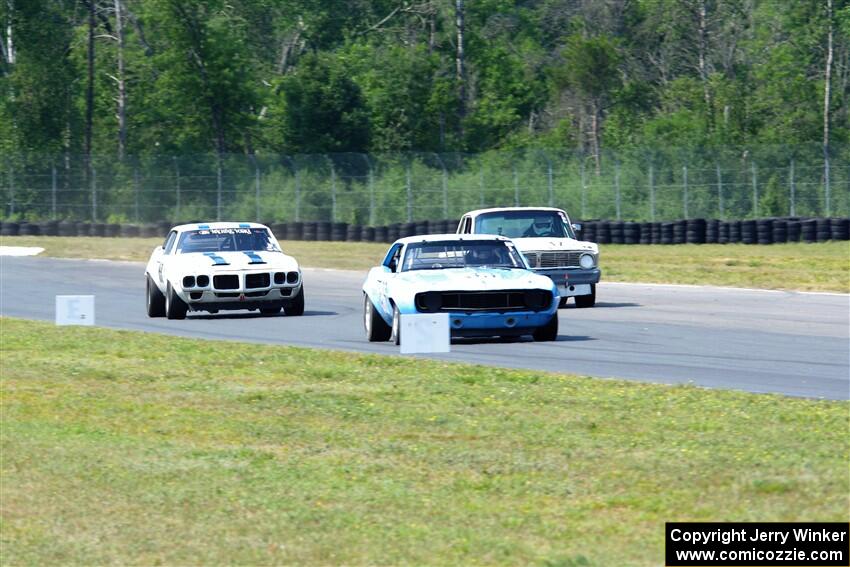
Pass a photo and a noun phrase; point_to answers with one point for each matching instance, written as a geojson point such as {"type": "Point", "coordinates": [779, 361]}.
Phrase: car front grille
{"type": "Point", "coordinates": [498, 301]}
{"type": "Point", "coordinates": [229, 281]}
{"type": "Point", "coordinates": [257, 280]}
{"type": "Point", "coordinates": [543, 259]}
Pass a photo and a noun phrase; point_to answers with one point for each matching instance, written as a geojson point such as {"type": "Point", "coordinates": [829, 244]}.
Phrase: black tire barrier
{"type": "Point", "coordinates": [353, 233]}
{"type": "Point", "coordinates": [748, 232]}
{"type": "Point", "coordinates": [323, 230]}
{"type": "Point", "coordinates": [631, 233]}
{"type": "Point", "coordinates": [712, 231]}
{"type": "Point", "coordinates": [29, 229]}
{"type": "Point", "coordinates": [10, 228]}
{"type": "Point", "coordinates": [338, 231]}
{"type": "Point", "coordinates": [84, 229]}
{"type": "Point", "coordinates": [422, 227]}
{"type": "Point", "coordinates": [823, 229]}
{"type": "Point", "coordinates": [309, 232]}
{"type": "Point", "coordinates": [616, 228]}
{"type": "Point", "coordinates": [112, 230]}
{"type": "Point", "coordinates": [808, 231]}
{"type": "Point", "coordinates": [165, 227]}
{"type": "Point", "coordinates": [295, 231]}
{"type": "Point", "coordinates": [723, 232]}
{"type": "Point", "coordinates": [840, 229]}
{"type": "Point", "coordinates": [695, 231]}
{"type": "Point", "coordinates": [149, 231]}
{"type": "Point", "coordinates": [603, 232]}
{"type": "Point", "coordinates": [407, 229]}
{"type": "Point", "coordinates": [279, 230]}
{"type": "Point", "coordinates": [98, 229]}
{"type": "Point", "coordinates": [764, 231]}
{"type": "Point", "coordinates": [666, 236]}
{"type": "Point", "coordinates": [680, 229]}
{"type": "Point", "coordinates": [50, 228]}
{"type": "Point", "coordinates": [129, 231]}
{"type": "Point", "coordinates": [794, 230]}
{"type": "Point", "coordinates": [393, 232]}
{"type": "Point", "coordinates": [588, 231]}
{"type": "Point", "coordinates": [381, 234]}
{"type": "Point", "coordinates": [655, 233]}
{"type": "Point", "coordinates": [780, 231]}
{"type": "Point", "coordinates": [67, 228]}
{"type": "Point", "coordinates": [367, 234]}
{"type": "Point", "coordinates": [646, 233]}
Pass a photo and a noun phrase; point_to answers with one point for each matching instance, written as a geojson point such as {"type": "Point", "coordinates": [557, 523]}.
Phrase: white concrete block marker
{"type": "Point", "coordinates": [426, 332]}
{"type": "Point", "coordinates": [75, 310]}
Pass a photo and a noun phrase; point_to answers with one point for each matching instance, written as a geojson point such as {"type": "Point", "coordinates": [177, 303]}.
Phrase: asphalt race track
{"type": "Point", "coordinates": [760, 341]}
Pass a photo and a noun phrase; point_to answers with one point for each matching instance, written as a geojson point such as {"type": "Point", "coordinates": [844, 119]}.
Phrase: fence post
{"type": "Point", "coordinates": [11, 176]}
{"type": "Point", "coordinates": [371, 190]}
{"type": "Point", "coordinates": [755, 190]}
{"type": "Point", "coordinates": [219, 182]}
{"type": "Point", "coordinates": [257, 187]}
{"type": "Point", "coordinates": [481, 187]}
{"type": "Point", "coordinates": [685, 190]}
{"type": "Point", "coordinates": [93, 195]}
{"type": "Point", "coordinates": [583, 190]}
{"type": "Point", "coordinates": [793, 197]}
{"type": "Point", "coordinates": [719, 191]}
{"type": "Point", "coordinates": [409, 188]}
{"type": "Point", "coordinates": [177, 188]}
{"type": "Point", "coordinates": [53, 188]}
{"type": "Point", "coordinates": [651, 192]}
{"type": "Point", "coordinates": [136, 193]}
{"type": "Point", "coordinates": [617, 196]}
{"type": "Point", "coordinates": [516, 186]}
{"type": "Point", "coordinates": [826, 187]}
{"type": "Point", "coordinates": [445, 186]}
{"type": "Point", "coordinates": [333, 192]}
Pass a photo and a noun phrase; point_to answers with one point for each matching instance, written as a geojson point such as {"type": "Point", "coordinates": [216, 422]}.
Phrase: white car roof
{"type": "Point", "coordinates": [230, 224]}
{"type": "Point", "coordinates": [509, 209]}
{"type": "Point", "coordinates": [449, 236]}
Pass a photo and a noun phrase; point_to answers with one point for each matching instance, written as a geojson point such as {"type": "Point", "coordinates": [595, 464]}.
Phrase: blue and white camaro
{"type": "Point", "coordinates": [222, 265]}
{"type": "Point", "coordinates": [481, 281]}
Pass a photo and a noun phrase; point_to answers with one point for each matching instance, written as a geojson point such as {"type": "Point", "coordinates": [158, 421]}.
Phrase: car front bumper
{"type": "Point", "coordinates": [572, 281]}
{"type": "Point", "coordinates": [466, 324]}
{"type": "Point", "coordinates": [206, 299]}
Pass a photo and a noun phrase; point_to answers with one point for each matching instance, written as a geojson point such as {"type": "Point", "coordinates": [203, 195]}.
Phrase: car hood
{"type": "Point", "coordinates": [236, 261]}
{"type": "Point", "coordinates": [554, 244]}
{"type": "Point", "coordinates": [472, 279]}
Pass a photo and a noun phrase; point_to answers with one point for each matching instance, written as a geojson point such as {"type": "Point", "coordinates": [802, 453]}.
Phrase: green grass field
{"type": "Point", "coordinates": [129, 448]}
{"type": "Point", "coordinates": [802, 267]}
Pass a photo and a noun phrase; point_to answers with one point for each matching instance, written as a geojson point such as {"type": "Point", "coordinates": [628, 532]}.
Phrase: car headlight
{"type": "Point", "coordinates": [587, 261]}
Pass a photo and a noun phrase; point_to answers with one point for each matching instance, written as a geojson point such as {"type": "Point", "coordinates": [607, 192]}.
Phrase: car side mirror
{"type": "Point", "coordinates": [576, 226]}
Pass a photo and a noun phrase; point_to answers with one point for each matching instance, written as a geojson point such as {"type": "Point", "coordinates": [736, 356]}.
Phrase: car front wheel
{"type": "Point", "coordinates": [396, 334]}
{"type": "Point", "coordinates": [296, 306]}
{"type": "Point", "coordinates": [155, 301]}
{"type": "Point", "coordinates": [583, 301]}
{"type": "Point", "coordinates": [175, 308]}
{"type": "Point", "coordinates": [377, 329]}
{"type": "Point", "coordinates": [549, 331]}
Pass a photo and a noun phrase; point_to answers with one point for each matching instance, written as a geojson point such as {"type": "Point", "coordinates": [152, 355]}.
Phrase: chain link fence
{"type": "Point", "coordinates": [375, 189]}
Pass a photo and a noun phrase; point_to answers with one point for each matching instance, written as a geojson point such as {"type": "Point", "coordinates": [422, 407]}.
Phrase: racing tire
{"type": "Point", "coordinates": [584, 301]}
{"type": "Point", "coordinates": [175, 308]}
{"type": "Point", "coordinates": [376, 328]}
{"type": "Point", "coordinates": [270, 310]}
{"type": "Point", "coordinates": [395, 337]}
{"type": "Point", "coordinates": [154, 300]}
{"type": "Point", "coordinates": [549, 331]}
{"type": "Point", "coordinates": [296, 306]}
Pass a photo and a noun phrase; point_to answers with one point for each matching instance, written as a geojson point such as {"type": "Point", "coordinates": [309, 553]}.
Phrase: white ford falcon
{"type": "Point", "coordinates": [222, 265]}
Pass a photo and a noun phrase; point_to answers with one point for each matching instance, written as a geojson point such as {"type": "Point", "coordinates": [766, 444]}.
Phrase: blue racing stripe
{"type": "Point", "coordinates": [203, 226]}
{"type": "Point", "coordinates": [255, 258]}
{"type": "Point", "coordinates": [244, 225]}
{"type": "Point", "coordinates": [217, 260]}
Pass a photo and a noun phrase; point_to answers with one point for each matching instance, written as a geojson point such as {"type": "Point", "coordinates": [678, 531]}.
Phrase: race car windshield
{"type": "Point", "coordinates": [226, 240]}
{"type": "Point", "coordinates": [524, 224]}
{"type": "Point", "coordinates": [461, 254]}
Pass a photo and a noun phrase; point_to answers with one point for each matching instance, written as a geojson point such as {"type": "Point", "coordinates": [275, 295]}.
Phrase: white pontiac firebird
{"type": "Point", "coordinates": [222, 265]}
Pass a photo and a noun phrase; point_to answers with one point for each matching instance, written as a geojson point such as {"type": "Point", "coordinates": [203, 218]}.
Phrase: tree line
{"type": "Point", "coordinates": [252, 77]}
